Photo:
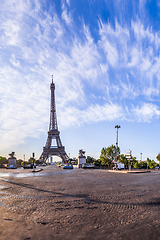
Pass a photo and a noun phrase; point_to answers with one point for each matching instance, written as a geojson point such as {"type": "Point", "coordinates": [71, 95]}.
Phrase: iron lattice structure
{"type": "Point", "coordinates": [53, 134]}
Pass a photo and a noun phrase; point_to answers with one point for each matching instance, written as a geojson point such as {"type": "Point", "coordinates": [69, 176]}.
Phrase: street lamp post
{"type": "Point", "coordinates": [24, 161]}
{"type": "Point", "coordinates": [117, 126]}
{"type": "Point", "coordinates": [147, 163]}
{"type": "Point", "coordinates": [33, 161]}
{"type": "Point", "coordinates": [141, 156]}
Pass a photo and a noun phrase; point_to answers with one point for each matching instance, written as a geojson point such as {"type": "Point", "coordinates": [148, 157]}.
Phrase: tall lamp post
{"type": "Point", "coordinates": [24, 161]}
{"type": "Point", "coordinates": [117, 126]}
{"type": "Point", "coordinates": [33, 161]}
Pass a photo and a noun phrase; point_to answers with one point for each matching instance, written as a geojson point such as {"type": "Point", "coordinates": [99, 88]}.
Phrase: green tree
{"type": "Point", "coordinates": [123, 159]}
{"type": "Point", "coordinates": [133, 161]}
{"type": "Point", "coordinates": [152, 164]}
{"type": "Point", "coordinates": [158, 158]}
{"type": "Point", "coordinates": [137, 165]}
{"type": "Point", "coordinates": [97, 162]}
{"type": "Point", "coordinates": [31, 160]}
{"type": "Point", "coordinates": [111, 151]}
{"type": "Point", "coordinates": [143, 164]}
{"type": "Point", "coordinates": [108, 154]}
{"type": "Point", "coordinates": [19, 161]}
{"type": "Point", "coordinates": [104, 159]}
{"type": "Point", "coordinates": [90, 159]}
{"type": "Point", "coordinates": [3, 160]}
{"type": "Point", "coordinates": [37, 162]}
{"type": "Point", "coordinates": [23, 163]}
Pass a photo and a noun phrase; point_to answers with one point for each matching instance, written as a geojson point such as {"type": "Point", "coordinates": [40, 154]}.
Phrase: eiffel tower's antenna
{"type": "Point", "coordinates": [53, 119]}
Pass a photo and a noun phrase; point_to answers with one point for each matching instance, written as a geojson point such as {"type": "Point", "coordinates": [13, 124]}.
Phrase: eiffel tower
{"type": "Point", "coordinates": [53, 134]}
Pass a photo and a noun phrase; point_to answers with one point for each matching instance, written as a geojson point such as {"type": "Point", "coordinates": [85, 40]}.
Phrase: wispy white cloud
{"type": "Point", "coordinates": [19, 106]}
{"type": "Point", "coordinates": [142, 33]}
{"type": "Point", "coordinates": [93, 113]}
{"type": "Point", "coordinates": [68, 2]}
{"type": "Point", "coordinates": [14, 61]}
{"type": "Point", "coordinates": [135, 58]}
{"type": "Point", "coordinates": [146, 112]}
{"type": "Point", "coordinates": [66, 14]}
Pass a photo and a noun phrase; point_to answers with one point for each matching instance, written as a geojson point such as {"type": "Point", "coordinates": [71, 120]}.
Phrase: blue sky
{"type": "Point", "coordinates": [105, 58]}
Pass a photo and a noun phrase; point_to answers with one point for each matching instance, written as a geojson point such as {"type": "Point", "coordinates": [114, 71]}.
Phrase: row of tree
{"type": "Point", "coordinates": [108, 154]}
{"type": "Point", "coordinates": [20, 162]}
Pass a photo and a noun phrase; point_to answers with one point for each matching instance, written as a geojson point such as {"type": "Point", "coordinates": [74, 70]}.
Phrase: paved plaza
{"type": "Point", "coordinates": [79, 204]}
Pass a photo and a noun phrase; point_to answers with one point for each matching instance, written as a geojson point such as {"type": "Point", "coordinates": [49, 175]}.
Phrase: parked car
{"type": "Point", "coordinates": [68, 166]}
{"type": "Point", "coordinates": [87, 165]}
{"type": "Point", "coordinates": [157, 168]}
{"type": "Point", "coordinates": [29, 166]}
{"type": "Point", "coordinates": [11, 167]}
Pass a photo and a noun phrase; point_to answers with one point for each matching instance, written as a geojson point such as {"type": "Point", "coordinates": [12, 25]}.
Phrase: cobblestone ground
{"type": "Point", "coordinates": [79, 204]}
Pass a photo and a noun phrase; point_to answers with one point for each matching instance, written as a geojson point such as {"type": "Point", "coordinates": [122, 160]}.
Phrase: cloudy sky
{"type": "Point", "coordinates": [105, 59]}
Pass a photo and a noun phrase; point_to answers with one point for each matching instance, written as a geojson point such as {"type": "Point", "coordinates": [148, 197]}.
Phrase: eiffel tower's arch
{"type": "Point", "coordinates": [53, 134]}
